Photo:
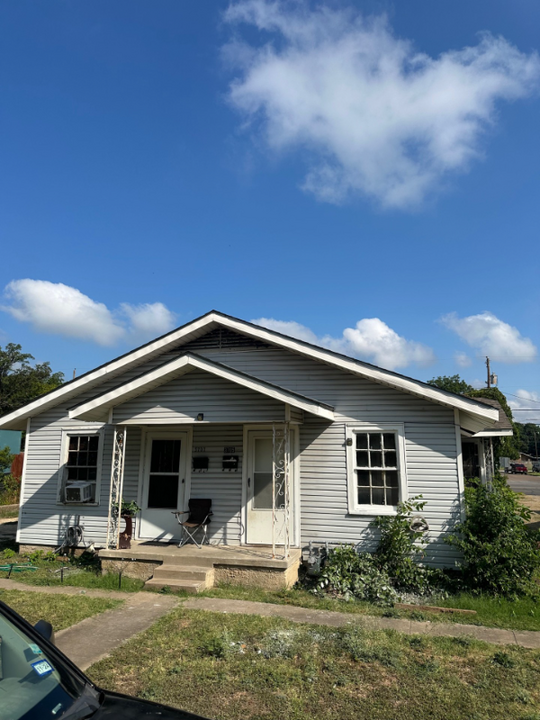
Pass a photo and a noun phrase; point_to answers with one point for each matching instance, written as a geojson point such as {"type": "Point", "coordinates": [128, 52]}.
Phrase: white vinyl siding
{"type": "Point", "coordinates": [353, 398]}
{"type": "Point", "coordinates": [224, 488]}
{"type": "Point", "coordinates": [181, 400]}
{"type": "Point", "coordinates": [430, 453]}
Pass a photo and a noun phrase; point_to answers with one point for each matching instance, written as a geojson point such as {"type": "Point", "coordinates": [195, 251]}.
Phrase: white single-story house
{"type": "Point", "coordinates": [293, 444]}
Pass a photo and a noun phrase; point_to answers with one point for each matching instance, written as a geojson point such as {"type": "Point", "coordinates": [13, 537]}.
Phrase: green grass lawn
{"type": "Point", "coordinates": [234, 667]}
{"type": "Point", "coordinates": [6, 513]}
{"type": "Point", "coordinates": [45, 575]}
{"type": "Point", "coordinates": [522, 614]}
{"type": "Point", "coordinates": [48, 574]}
{"type": "Point", "coordinates": [60, 610]}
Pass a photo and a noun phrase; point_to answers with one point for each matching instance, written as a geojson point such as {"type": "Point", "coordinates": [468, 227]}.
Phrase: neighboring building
{"type": "Point", "coordinates": [221, 409]}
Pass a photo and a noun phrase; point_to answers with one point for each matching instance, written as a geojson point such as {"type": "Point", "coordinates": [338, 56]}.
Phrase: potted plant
{"type": "Point", "coordinates": [128, 510]}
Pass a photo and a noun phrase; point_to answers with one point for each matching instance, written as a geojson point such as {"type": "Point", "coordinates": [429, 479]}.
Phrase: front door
{"type": "Point", "coordinates": [163, 486]}
{"type": "Point", "coordinates": [260, 468]}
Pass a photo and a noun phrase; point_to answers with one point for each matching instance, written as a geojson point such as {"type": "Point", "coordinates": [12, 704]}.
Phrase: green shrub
{"type": "Point", "coordinates": [401, 548]}
{"type": "Point", "coordinates": [393, 568]}
{"type": "Point", "coordinates": [355, 575]}
{"type": "Point", "coordinates": [500, 555]}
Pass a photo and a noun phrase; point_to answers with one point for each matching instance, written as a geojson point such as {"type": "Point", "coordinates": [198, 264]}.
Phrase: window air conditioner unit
{"type": "Point", "coordinates": [79, 491]}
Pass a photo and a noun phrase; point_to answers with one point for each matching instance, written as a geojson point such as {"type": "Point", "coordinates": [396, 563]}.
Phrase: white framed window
{"type": "Point", "coordinates": [376, 471]}
{"type": "Point", "coordinates": [81, 462]}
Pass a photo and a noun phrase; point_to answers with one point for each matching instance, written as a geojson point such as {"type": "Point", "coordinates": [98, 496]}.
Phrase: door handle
{"type": "Point", "coordinates": [249, 482]}
{"type": "Point", "coordinates": [183, 480]}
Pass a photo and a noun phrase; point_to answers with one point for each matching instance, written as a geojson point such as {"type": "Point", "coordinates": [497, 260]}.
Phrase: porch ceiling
{"type": "Point", "coordinates": [98, 409]}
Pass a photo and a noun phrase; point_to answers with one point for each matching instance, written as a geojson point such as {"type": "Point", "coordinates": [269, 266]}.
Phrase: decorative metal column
{"type": "Point", "coordinates": [489, 460]}
{"type": "Point", "coordinates": [281, 489]}
{"type": "Point", "coordinates": [117, 487]}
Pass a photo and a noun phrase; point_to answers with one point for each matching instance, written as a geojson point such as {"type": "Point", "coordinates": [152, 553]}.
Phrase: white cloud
{"type": "Point", "coordinates": [493, 337]}
{"type": "Point", "coordinates": [526, 399]}
{"type": "Point", "coordinates": [148, 319]}
{"type": "Point", "coordinates": [289, 327]}
{"type": "Point", "coordinates": [462, 359]}
{"type": "Point", "coordinates": [371, 339]}
{"type": "Point", "coordinates": [378, 118]}
{"type": "Point", "coordinates": [63, 310]}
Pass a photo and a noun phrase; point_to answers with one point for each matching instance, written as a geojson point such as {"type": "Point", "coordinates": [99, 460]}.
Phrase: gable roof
{"type": "Point", "coordinates": [98, 408]}
{"type": "Point", "coordinates": [214, 319]}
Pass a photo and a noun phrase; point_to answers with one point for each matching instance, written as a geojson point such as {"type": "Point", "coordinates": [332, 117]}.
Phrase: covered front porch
{"type": "Point", "coordinates": [196, 429]}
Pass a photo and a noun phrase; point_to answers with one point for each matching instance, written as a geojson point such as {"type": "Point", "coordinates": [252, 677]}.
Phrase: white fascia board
{"type": "Point", "coordinates": [376, 374]}
{"type": "Point", "coordinates": [493, 433]}
{"type": "Point", "coordinates": [100, 406]}
{"type": "Point", "coordinates": [16, 419]}
{"type": "Point", "coordinates": [129, 390]}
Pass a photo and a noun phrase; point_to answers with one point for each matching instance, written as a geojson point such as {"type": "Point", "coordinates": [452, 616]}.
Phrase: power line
{"type": "Point", "coordinates": [522, 398]}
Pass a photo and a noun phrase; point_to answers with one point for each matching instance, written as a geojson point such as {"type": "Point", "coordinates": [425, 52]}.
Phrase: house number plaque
{"type": "Point", "coordinates": [229, 449]}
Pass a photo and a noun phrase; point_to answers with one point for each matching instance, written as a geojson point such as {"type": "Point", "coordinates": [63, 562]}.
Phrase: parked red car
{"type": "Point", "coordinates": [518, 469]}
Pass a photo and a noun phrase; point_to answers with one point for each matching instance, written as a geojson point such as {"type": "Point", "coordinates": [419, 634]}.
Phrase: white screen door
{"type": "Point", "coordinates": [164, 483]}
{"type": "Point", "coordinates": [259, 492]}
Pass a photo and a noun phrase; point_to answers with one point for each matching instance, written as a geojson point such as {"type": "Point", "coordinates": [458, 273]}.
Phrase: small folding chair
{"type": "Point", "coordinates": [198, 518]}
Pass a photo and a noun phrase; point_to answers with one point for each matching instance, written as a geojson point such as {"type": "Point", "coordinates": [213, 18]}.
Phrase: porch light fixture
{"type": "Point", "coordinates": [349, 441]}
{"type": "Point", "coordinates": [200, 417]}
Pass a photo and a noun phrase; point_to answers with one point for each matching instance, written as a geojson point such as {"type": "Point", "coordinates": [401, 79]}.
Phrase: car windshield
{"type": "Point", "coordinates": [32, 685]}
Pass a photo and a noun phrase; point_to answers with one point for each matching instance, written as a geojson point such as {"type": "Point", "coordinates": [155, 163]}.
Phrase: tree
{"type": "Point", "coordinates": [20, 382]}
{"type": "Point", "coordinates": [529, 438]}
{"type": "Point", "coordinates": [452, 383]}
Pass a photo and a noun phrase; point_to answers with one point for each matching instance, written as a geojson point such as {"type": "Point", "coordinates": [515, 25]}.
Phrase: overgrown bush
{"type": "Point", "coordinates": [355, 575]}
{"type": "Point", "coordinates": [393, 568]}
{"type": "Point", "coordinates": [401, 548]}
{"type": "Point", "coordinates": [500, 555]}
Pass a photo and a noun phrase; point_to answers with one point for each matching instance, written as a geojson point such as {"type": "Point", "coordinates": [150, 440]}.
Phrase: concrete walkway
{"type": "Point", "coordinates": [523, 638]}
{"type": "Point", "coordinates": [96, 637]}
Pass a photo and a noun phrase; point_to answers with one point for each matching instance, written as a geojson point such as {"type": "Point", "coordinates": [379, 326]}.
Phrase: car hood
{"type": "Point", "coordinates": [122, 707]}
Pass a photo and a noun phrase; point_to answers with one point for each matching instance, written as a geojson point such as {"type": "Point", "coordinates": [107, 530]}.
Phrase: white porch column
{"type": "Point", "coordinates": [117, 487]}
{"type": "Point", "coordinates": [281, 485]}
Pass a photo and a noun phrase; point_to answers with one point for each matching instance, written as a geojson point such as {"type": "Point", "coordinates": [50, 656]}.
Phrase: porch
{"type": "Point", "coordinates": [194, 569]}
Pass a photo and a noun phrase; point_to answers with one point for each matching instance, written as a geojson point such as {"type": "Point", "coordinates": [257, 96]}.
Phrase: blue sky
{"type": "Point", "coordinates": [351, 168]}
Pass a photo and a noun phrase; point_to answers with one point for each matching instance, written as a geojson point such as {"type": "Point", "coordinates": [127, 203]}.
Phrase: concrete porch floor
{"type": "Point", "coordinates": [194, 569]}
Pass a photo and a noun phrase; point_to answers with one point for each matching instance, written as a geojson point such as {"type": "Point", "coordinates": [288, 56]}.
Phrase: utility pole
{"type": "Point", "coordinates": [488, 373]}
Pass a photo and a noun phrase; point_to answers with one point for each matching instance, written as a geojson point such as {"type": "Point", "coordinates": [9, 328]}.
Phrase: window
{"type": "Point", "coordinates": [81, 470]}
{"type": "Point", "coordinates": [376, 469]}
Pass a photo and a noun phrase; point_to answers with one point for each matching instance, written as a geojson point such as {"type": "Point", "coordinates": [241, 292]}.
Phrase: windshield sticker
{"type": "Point", "coordinates": [42, 667]}
{"type": "Point", "coordinates": [35, 649]}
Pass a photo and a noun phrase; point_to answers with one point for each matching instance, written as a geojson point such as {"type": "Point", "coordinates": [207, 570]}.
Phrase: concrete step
{"type": "Point", "coordinates": [190, 586]}
{"type": "Point", "coordinates": [177, 572]}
